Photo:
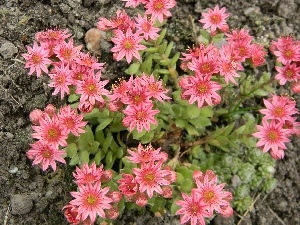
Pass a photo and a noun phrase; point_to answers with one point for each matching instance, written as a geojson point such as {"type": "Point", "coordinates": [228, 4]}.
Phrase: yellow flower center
{"type": "Point", "coordinates": [278, 112]}
{"type": "Point", "coordinates": [140, 115]}
{"type": "Point", "coordinates": [202, 88]}
{"type": "Point", "coordinates": [158, 5]}
{"type": "Point", "coordinates": [272, 135]}
{"type": "Point", "coordinates": [215, 19]}
{"type": "Point", "coordinates": [36, 58]}
{"type": "Point", "coordinates": [289, 73]}
{"type": "Point", "coordinates": [127, 44]}
{"type": "Point", "coordinates": [91, 200]}
{"type": "Point", "coordinates": [208, 196]}
{"type": "Point", "coordinates": [46, 153]}
{"type": "Point", "coordinates": [52, 133]}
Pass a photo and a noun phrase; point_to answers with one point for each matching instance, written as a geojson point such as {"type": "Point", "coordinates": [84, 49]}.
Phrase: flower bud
{"type": "Point", "coordinates": [50, 110]}
{"type": "Point", "coordinates": [295, 86]}
{"type": "Point", "coordinates": [116, 196]}
{"type": "Point", "coordinates": [112, 213]}
{"type": "Point", "coordinates": [167, 192]}
{"type": "Point", "coordinates": [106, 176]}
{"type": "Point", "coordinates": [141, 199]}
{"type": "Point", "coordinates": [85, 107]}
{"type": "Point", "coordinates": [35, 116]}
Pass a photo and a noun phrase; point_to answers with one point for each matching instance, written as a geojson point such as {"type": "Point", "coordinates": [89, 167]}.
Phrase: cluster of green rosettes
{"type": "Point", "coordinates": [156, 104]}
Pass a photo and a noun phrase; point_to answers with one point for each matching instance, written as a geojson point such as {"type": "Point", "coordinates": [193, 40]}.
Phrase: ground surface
{"type": "Point", "coordinates": [29, 196]}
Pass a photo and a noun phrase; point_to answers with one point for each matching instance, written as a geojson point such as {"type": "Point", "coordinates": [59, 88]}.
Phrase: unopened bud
{"type": "Point", "coordinates": [35, 116]}
{"type": "Point", "coordinates": [141, 199]}
{"type": "Point", "coordinates": [112, 213]}
{"type": "Point", "coordinates": [106, 176]}
{"type": "Point", "coordinates": [85, 107]}
{"type": "Point", "coordinates": [50, 110]}
{"type": "Point", "coordinates": [116, 196]}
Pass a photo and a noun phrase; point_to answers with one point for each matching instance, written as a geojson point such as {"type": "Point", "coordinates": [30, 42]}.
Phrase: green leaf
{"type": "Point", "coordinates": [164, 62]}
{"type": "Point", "coordinates": [175, 59]}
{"type": "Point", "coordinates": [74, 161]}
{"type": "Point", "coordinates": [94, 147]}
{"type": "Point", "coordinates": [99, 135]}
{"type": "Point", "coordinates": [161, 36]}
{"type": "Point", "coordinates": [73, 98]}
{"type": "Point", "coordinates": [192, 111]}
{"type": "Point", "coordinates": [133, 68]}
{"type": "Point", "coordinates": [261, 92]}
{"type": "Point", "coordinates": [71, 150]}
{"type": "Point", "coordinates": [163, 71]}
{"type": "Point", "coordinates": [181, 123]}
{"type": "Point", "coordinates": [214, 142]}
{"type": "Point", "coordinates": [186, 185]}
{"type": "Point", "coordinates": [204, 121]}
{"type": "Point", "coordinates": [151, 50]}
{"type": "Point", "coordinates": [84, 157]}
{"type": "Point", "coordinates": [86, 139]}
{"type": "Point", "coordinates": [191, 130]}
{"type": "Point", "coordinates": [107, 142]}
{"type": "Point", "coordinates": [162, 47]}
{"type": "Point", "coordinates": [98, 157]}
{"type": "Point", "coordinates": [206, 111]}
{"type": "Point", "coordinates": [174, 208]}
{"type": "Point", "coordinates": [146, 66]}
{"type": "Point", "coordinates": [104, 123]}
{"type": "Point", "coordinates": [169, 49]}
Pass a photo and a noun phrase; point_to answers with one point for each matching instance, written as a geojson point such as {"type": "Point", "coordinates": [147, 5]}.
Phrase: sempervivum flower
{"type": "Point", "coordinates": [193, 208]}
{"type": "Point", "coordinates": [92, 88]}
{"type": "Point", "coordinates": [61, 77]}
{"type": "Point", "coordinates": [272, 136]}
{"type": "Point", "coordinates": [159, 9]}
{"type": "Point", "coordinates": [146, 27]}
{"type": "Point", "coordinates": [212, 194]}
{"type": "Point", "coordinates": [37, 59]}
{"type": "Point", "coordinates": [91, 201]}
{"type": "Point", "coordinates": [214, 19]}
{"type": "Point", "coordinates": [67, 52]}
{"type": "Point", "coordinates": [289, 72]}
{"type": "Point", "coordinates": [145, 154]}
{"type": "Point", "coordinates": [151, 177]}
{"type": "Point", "coordinates": [288, 53]}
{"type": "Point", "coordinates": [139, 117]}
{"type": "Point", "coordinates": [201, 89]}
{"type": "Point", "coordinates": [50, 131]}
{"type": "Point", "coordinates": [279, 108]}
{"type": "Point", "coordinates": [88, 174]}
{"type": "Point", "coordinates": [45, 155]}
{"type": "Point", "coordinates": [127, 45]}
{"type": "Point", "coordinates": [128, 185]}
{"type": "Point", "coordinates": [71, 121]}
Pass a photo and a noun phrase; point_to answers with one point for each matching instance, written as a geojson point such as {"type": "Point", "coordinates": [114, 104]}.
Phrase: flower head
{"type": "Point", "coordinates": [151, 177]}
{"type": "Point", "coordinates": [37, 59]}
{"type": "Point", "coordinates": [289, 72]}
{"type": "Point", "coordinates": [193, 208]}
{"type": "Point", "coordinates": [158, 9]}
{"type": "Point", "coordinates": [201, 89]}
{"type": "Point", "coordinates": [45, 155]}
{"type": "Point", "coordinates": [88, 174]}
{"type": "Point", "coordinates": [214, 19]}
{"type": "Point", "coordinates": [146, 27]}
{"type": "Point", "coordinates": [128, 185]}
{"type": "Point", "coordinates": [50, 131]}
{"type": "Point", "coordinates": [91, 201]}
{"type": "Point", "coordinates": [139, 117]}
{"type": "Point", "coordinates": [127, 45]}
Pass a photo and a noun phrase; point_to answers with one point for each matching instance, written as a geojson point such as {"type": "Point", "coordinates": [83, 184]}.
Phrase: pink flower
{"type": "Point", "coordinates": [241, 35]}
{"type": "Point", "coordinates": [151, 177]}
{"type": "Point", "coordinates": [193, 208]}
{"type": "Point", "coordinates": [159, 9]}
{"type": "Point", "coordinates": [88, 174]}
{"type": "Point", "coordinates": [37, 59]}
{"type": "Point", "coordinates": [289, 72]}
{"type": "Point", "coordinates": [134, 3]}
{"type": "Point", "coordinates": [212, 194]}
{"type": "Point", "coordinates": [228, 66]}
{"type": "Point", "coordinates": [145, 154]}
{"type": "Point", "coordinates": [35, 116]}
{"type": "Point", "coordinates": [45, 155]}
{"type": "Point", "coordinates": [92, 89]}
{"type": "Point", "coordinates": [88, 61]}
{"type": "Point", "coordinates": [67, 52]}
{"type": "Point", "coordinates": [214, 19]}
{"type": "Point", "coordinates": [279, 108]}
{"type": "Point", "coordinates": [201, 89]}
{"type": "Point", "coordinates": [146, 27]}
{"type": "Point", "coordinates": [71, 121]}
{"type": "Point", "coordinates": [139, 117]}
{"type": "Point", "coordinates": [128, 185]}
{"type": "Point", "coordinates": [258, 55]}
{"type": "Point", "coordinates": [121, 22]}
{"type": "Point", "coordinates": [52, 34]}
{"type": "Point", "coordinates": [127, 44]}
{"type": "Point", "coordinates": [288, 53]}
{"type": "Point", "coordinates": [206, 63]}
{"type": "Point", "coordinates": [141, 199]}
{"type": "Point", "coordinates": [295, 86]}
{"type": "Point", "coordinates": [272, 136]}
{"type": "Point", "coordinates": [154, 88]}
{"type": "Point", "coordinates": [61, 79]}
{"type": "Point", "coordinates": [50, 131]}
{"type": "Point", "coordinates": [91, 200]}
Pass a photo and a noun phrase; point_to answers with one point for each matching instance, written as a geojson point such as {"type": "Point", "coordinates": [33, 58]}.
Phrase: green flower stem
{"type": "Point", "coordinates": [244, 97]}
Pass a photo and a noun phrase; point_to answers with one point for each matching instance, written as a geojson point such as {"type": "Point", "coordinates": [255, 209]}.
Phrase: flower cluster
{"type": "Point", "coordinates": [278, 124]}
{"type": "Point", "coordinates": [138, 95]}
{"type": "Point", "coordinates": [149, 178]}
{"type": "Point", "coordinates": [208, 62]}
{"type": "Point", "coordinates": [128, 33]}
{"type": "Point", "coordinates": [288, 54]}
{"type": "Point", "coordinates": [91, 199]}
{"type": "Point", "coordinates": [208, 197]}
{"type": "Point", "coordinates": [71, 69]}
{"type": "Point", "coordinates": [52, 130]}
